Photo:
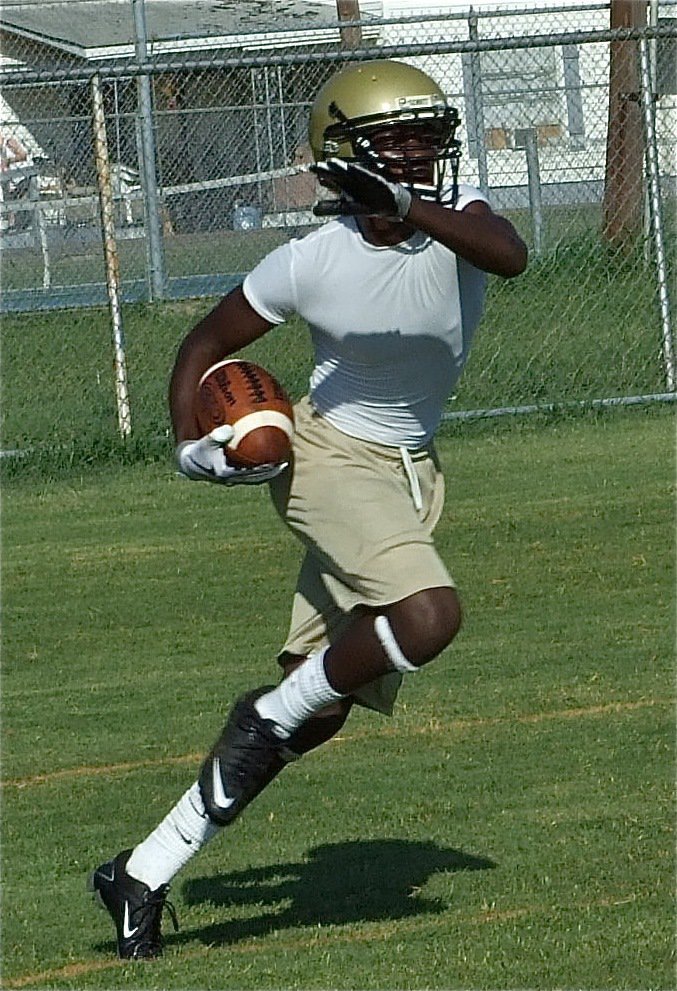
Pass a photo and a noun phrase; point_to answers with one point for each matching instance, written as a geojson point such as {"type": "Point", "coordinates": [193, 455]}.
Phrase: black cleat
{"type": "Point", "coordinates": [246, 756]}
{"type": "Point", "coordinates": [134, 908]}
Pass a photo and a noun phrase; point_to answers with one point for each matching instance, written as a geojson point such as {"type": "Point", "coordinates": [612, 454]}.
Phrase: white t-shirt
{"type": "Point", "coordinates": [391, 326]}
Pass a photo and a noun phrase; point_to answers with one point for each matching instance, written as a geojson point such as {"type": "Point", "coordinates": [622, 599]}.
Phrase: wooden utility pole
{"type": "Point", "coordinates": [623, 187]}
{"type": "Point", "coordinates": [349, 10]}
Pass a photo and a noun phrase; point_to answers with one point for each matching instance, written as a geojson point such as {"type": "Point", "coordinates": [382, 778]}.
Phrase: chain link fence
{"type": "Point", "coordinates": [145, 165]}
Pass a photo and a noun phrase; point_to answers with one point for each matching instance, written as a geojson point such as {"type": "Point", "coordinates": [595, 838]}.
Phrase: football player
{"type": "Point", "coordinates": [392, 291]}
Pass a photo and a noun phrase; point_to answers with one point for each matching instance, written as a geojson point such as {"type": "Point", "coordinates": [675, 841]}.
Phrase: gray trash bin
{"type": "Point", "coordinates": [246, 218]}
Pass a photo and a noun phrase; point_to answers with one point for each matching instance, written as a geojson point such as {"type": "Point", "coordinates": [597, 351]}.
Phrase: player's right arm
{"type": "Point", "coordinates": [230, 326]}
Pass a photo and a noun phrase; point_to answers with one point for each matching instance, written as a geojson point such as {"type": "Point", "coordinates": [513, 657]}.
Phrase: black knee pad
{"type": "Point", "coordinates": [221, 815]}
{"type": "Point", "coordinates": [244, 759]}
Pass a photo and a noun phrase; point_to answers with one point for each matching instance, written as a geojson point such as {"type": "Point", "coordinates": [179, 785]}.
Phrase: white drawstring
{"type": "Point", "coordinates": [414, 484]}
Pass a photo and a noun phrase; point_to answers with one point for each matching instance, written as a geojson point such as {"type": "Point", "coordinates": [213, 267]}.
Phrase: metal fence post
{"type": "Point", "coordinates": [534, 180]}
{"type": "Point", "coordinates": [110, 255]}
{"type": "Point", "coordinates": [656, 214]}
{"type": "Point", "coordinates": [147, 150]}
{"type": "Point", "coordinates": [478, 104]}
{"type": "Point", "coordinates": [41, 231]}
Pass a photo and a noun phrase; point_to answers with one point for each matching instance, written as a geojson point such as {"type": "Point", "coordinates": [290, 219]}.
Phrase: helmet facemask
{"type": "Point", "coordinates": [414, 146]}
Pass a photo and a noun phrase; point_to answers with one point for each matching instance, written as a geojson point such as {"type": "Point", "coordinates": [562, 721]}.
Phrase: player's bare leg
{"type": "Point", "coordinates": [418, 629]}
{"type": "Point", "coordinates": [401, 637]}
{"type": "Point", "coordinates": [256, 740]}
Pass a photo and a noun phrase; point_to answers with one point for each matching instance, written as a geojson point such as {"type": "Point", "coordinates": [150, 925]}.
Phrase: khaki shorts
{"type": "Point", "coordinates": [352, 505]}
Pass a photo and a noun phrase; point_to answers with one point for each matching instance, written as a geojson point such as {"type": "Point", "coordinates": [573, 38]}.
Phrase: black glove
{"type": "Point", "coordinates": [362, 191]}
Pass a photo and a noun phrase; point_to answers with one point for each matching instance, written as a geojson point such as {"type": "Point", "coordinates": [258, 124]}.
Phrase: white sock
{"type": "Point", "coordinates": [184, 831]}
{"type": "Point", "coordinates": [304, 692]}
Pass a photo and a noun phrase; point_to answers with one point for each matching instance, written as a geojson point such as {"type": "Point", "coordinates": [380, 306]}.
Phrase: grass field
{"type": "Point", "coordinates": [510, 827]}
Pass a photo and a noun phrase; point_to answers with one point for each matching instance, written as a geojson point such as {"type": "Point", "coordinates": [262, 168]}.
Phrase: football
{"type": "Point", "coordinates": [247, 398]}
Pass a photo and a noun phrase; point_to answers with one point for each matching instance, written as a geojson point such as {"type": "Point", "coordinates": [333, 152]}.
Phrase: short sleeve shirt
{"type": "Point", "coordinates": [391, 326]}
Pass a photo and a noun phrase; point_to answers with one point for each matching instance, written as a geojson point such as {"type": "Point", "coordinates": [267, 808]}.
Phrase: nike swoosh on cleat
{"type": "Point", "coordinates": [103, 874]}
{"type": "Point", "coordinates": [126, 931]}
{"type": "Point", "coordinates": [220, 797]}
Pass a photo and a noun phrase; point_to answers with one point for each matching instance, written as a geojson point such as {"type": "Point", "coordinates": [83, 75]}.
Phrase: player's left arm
{"type": "Point", "coordinates": [485, 239]}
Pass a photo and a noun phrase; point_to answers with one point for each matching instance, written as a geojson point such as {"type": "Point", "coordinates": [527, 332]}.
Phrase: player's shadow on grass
{"type": "Point", "coordinates": [338, 883]}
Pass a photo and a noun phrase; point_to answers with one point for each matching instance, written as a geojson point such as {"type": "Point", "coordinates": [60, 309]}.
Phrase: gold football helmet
{"type": "Point", "coordinates": [390, 117]}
